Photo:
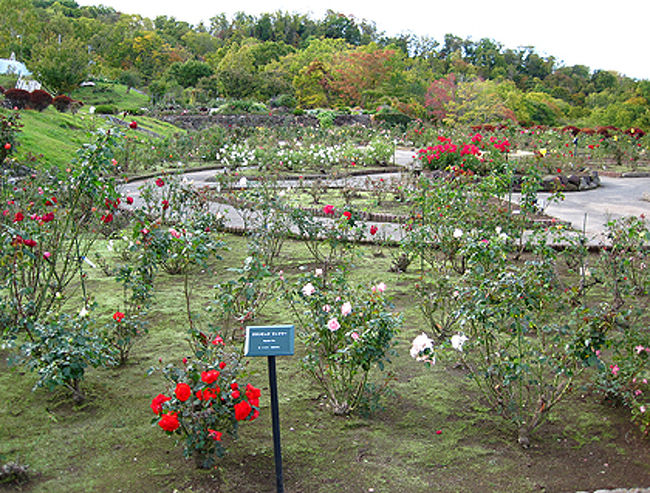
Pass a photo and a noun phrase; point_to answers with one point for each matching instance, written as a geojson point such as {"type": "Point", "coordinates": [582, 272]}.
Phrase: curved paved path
{"type": "Point", "coordinates": [591, 210]}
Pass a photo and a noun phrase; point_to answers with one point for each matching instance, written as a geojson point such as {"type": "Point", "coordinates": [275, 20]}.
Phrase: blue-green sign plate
{"type": "Point", "coordinates": [270, 340]}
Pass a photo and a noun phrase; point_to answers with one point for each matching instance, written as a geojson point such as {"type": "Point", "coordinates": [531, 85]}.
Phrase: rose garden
{"type": "Point", "coordinates": [449, 337]}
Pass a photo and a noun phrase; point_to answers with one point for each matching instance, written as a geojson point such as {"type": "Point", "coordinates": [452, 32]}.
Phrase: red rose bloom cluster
{"type": "Point", "coordinates": [183, 392]}
{"type": "Point", "coordinates": [209, 376]}
{"type": "Point", "coordinates": [169, 422]}
{"type": "Point", "coordinates": [157, 402]}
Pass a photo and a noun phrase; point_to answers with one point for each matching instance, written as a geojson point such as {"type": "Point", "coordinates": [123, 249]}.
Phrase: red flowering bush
{"type": "Point", "coordinates": [204, 401]}
{"type": "Point", "coordinates": [478, 156]}
{"type": "Point", "coordinates": [18, 98]}
{"type": "Point", "coordinates": [48, 224]}
{"type": "Point", "coordinates": [62, 103]}
{"type": "Point", "coordinates": [9, 129]}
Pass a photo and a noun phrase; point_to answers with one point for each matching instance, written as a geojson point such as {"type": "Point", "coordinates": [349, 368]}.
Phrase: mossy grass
{"type": "Point", "coordinates": [109, 444]}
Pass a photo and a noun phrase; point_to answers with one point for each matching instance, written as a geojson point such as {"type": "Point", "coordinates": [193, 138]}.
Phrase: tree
{"type": "Point", "coordinates": [336, 25]}
{"type": "Point", "coordinates": [188, 74]}
{"type": "Point", "coordinates": [60, 66]}
{"type": "Point", "coordinates": [361, 73]}
{"type": "Point", "coordinates": [439, 94]}
{"type": "Point", "coordinates": [130, 78]}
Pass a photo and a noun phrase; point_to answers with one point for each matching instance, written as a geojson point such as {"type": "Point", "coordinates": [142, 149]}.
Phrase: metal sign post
{"type": "Point", "coordinates": [272, 341]}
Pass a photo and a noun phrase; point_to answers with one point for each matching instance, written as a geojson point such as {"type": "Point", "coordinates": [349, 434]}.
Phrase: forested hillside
{"type": "Point", "coordinates": [294, 61]}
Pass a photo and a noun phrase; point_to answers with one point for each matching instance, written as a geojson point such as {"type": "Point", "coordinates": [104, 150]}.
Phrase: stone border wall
{"type": "Point", "coordinates": [198, 122]}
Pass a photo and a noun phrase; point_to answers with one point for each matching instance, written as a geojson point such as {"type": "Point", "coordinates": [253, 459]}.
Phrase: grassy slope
{"type": "Point", "coordinates": [57, 136]}
{"type": "Point", "coordinates": [110, 445]}
{"type": "Point", "coordinates": [113, 94]}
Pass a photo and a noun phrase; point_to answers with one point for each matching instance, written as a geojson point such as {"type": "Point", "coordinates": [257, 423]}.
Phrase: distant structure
{"type": "Point", "coordinates": [27, 84]}
{"type": "Point", "coordinates": [12, 66]}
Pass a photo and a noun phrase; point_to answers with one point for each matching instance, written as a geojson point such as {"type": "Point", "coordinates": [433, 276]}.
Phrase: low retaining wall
{"type": "Point", "coordinates": [198, 122]}
{"type": "Point", "coordinates": [575, 182]}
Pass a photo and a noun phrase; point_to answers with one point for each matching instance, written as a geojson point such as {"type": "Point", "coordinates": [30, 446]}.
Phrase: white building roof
{"type": "Point", "coordinates": [12, 66]}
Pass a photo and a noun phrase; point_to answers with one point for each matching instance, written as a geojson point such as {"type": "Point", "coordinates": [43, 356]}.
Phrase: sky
{"type": "Point", "coordinates": [601, 34]}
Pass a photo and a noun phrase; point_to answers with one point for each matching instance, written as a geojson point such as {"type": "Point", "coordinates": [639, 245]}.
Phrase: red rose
{"type": "Point", "coordinates": [118, 316]}
{"type": "Point", "coordinates": [347, 214]}
{"type": "Point", "coordinates": [222, 365]}
{"type": "Point", "coordinates": [129, 200]}
{"type": "Point", "coordinates": [157, 402]}
{"type": "Point", "coordinates": [160, 182]}
{"type": "Point", "coordinates": [209, 376]}
{"type": "Point", "coordinates": [29, 243]}
{"type": "Point", "coordinates": [106, 218]}
{"type": "Point", "coordinates": [208, 394]}
{"type": "Point", "coordinates": [234, 386]}
{"type": "Point", "coordinates": [252, 393]}
{"type": "Point", "coordinates": [169, 422]}
{"type": "Point", "coordinates": [214, 434]}
{"type": "Point", "coordinates": [48, 217]}
{"type": "Point", "coordinates": [373, 230]}
{"type": "Point", "coordinates": [328, 209]}
{"type": "Point", "coordinates": [183, 392]}
{"type": "Point", "coordinates": [242, 410]}
{"type": "Point", "coordinates": [235, 394]}
{"type": "Point", "coordinates": [133, 125]}
{"type": "Point", "coordinates": [18, 217]}
{"type": "Point", "coordinates": [7, 146]}
{"type": "Point", "coordinates": [165, 204]}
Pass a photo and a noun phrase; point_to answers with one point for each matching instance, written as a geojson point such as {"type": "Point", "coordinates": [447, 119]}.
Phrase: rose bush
{"type": "Point", "coordinates": [348, 331]}
{"type": "Point", "coordinates": [204, 403]}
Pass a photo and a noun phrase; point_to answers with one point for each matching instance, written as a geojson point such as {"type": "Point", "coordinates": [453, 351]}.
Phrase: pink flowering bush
{"type": "Point", "coordinates": [348, 332]}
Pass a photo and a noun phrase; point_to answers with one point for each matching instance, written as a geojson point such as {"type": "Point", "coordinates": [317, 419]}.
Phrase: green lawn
{"type": "Point", "coordinates": [54, 137]}
{"type": "Point", "coordinates": [112, 94]}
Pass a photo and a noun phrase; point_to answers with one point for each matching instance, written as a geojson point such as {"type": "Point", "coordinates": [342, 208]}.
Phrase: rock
{"type": "Point", "coordinates": [574, 179]}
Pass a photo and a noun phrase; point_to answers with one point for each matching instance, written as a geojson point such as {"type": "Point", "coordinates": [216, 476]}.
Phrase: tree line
{"type": "Point", "coordinates": [337, 61]}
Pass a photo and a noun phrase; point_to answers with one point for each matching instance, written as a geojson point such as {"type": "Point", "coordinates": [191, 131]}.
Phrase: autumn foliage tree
{"type": "Point", "coordinates": [440, 93]}
{"type": "Point", "coordinates": [361, 73]}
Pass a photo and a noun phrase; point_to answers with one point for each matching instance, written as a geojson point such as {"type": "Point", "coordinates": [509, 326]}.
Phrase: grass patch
{"type": "Point", "coordinates": [111, 94]}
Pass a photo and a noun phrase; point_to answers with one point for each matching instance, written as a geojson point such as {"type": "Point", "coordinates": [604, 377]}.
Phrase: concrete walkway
{"type": "Point", "coordinates": [589, 210]}
{"type": "Point", "coordinates": [592, 209]}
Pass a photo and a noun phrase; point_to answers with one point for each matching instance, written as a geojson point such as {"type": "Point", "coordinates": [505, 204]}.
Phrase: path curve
{"type": "Point", "coordinates": [589, 210]}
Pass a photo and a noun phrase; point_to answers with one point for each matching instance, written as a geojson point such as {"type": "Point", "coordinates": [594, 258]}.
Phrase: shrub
{"type": "Point", "coordinates": [134, 111]}
{"type": "Point", "coordinates": [18, 98]}
{"type": "Point", "coordinates": [106, 109]}
{"type": "Point", "coordinates": [393, 119]}
{"type": "Point", "coordinates": [62, 349]}
{"type": "Point", "coordinates": [283, 100]}
{"type": "Point", "coordinates": [62, 103]}
{"type": "Point", "coordinates": [347, 332]}
{"type": "Point", "coordinates": [39, 99]}
{"type": "Point", "coordinates": [9, 128]}
{"type": "Point", "coordinates": [205, 402]}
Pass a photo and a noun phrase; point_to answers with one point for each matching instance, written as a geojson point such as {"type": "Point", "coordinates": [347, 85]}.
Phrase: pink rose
{"type": "Point", "coordinates": [333, 325]}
